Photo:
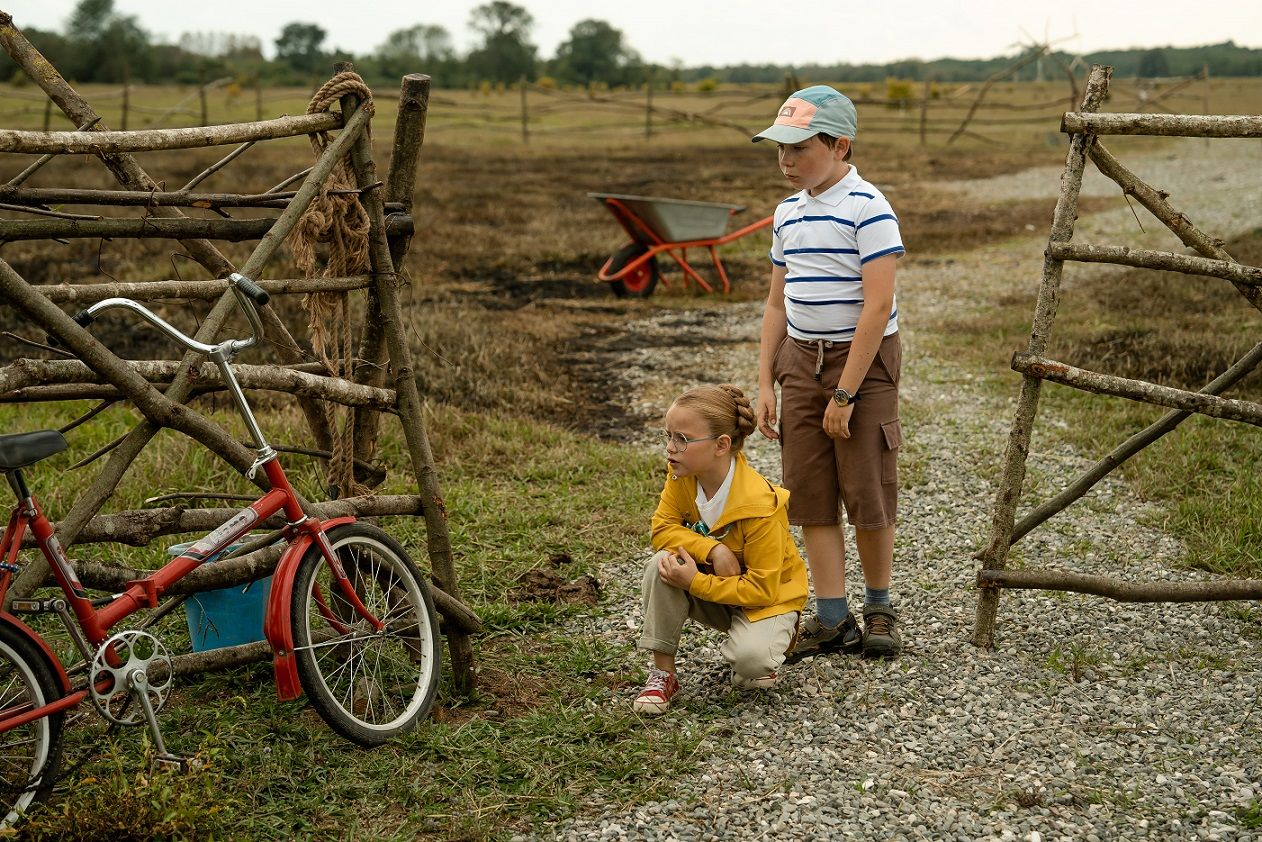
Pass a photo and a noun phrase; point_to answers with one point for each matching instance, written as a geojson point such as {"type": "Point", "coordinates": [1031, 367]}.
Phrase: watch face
{"type": "Point", "coordinates": [842, 397]}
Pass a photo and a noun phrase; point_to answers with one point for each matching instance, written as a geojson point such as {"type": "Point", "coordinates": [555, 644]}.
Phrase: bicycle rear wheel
{"type": "Point", "coordinates": [368, 685]}
{"type": "Point", "coordinates": [29, 754]}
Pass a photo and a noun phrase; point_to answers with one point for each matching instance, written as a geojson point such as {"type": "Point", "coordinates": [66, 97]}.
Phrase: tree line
{"type": "Point", "coordinates": [98, 44]}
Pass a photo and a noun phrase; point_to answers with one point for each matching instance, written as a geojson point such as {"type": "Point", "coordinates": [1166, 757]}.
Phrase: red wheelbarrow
{"type": "Point", "coordinates": [670, 226]}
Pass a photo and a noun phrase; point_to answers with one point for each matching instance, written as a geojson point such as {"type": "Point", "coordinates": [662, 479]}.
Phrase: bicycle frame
{"type": "Point", "coordinates": [96, 618]}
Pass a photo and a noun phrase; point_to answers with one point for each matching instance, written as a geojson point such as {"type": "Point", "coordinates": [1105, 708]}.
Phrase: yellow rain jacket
{"type": "Point", "coordinates": [754, 526]}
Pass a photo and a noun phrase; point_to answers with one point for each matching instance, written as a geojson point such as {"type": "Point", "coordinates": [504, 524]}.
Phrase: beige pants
{"type": "Point", "coordinates": [753, 649]}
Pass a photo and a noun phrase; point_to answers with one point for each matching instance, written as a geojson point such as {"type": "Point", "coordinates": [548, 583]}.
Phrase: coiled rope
{"type": "Point", "coordinates": [338, 221]}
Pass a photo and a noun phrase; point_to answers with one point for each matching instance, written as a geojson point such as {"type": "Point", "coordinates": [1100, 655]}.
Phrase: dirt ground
{"type": "Point", "coordinates": [525, 268]}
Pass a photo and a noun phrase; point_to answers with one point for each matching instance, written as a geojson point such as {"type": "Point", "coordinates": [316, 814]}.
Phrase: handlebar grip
{"type": "Point", "coordinates": [256, 293]}
{"type": "Point", "coordinates": [82, 318]}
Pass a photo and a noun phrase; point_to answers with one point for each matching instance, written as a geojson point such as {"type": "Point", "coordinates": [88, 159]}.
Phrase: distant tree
{"type": "Point", "coordinates": [422, 48]}
{"type": "Point", "coordinates": [595, 52]}
{"type": "Point", "coordinates": [1153, 64]}
{"type": "Point", "coordinates": [299, 46]}
{"type": "Point", "coordinates": [109, 46]}
{"type": "Point", "coordinates": [89, 19]}
{"type": "Point", "coordinates": [506, 53]}
{"type": "Point", "coordinates": [123, 51]}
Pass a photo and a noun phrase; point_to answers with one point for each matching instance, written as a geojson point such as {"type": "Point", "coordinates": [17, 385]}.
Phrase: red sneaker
{"type": "Point", "coordinates": [656, 695]}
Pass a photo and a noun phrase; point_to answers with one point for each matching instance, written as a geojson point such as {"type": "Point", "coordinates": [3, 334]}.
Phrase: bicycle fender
{"type": "Point", "coordinates": [22, 628]}
{"type": "Point", "coordinates": [277, 627]}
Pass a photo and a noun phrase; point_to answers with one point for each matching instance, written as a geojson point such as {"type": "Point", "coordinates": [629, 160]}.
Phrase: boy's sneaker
{"type": "Point", "coordinates": [817, 638]}
{"type": "Point", "coordinates": [880, 632]}
{"type": "Point", "coordinates": [656, 695]}
{"type": "Point", "coordinates": [762, 682]}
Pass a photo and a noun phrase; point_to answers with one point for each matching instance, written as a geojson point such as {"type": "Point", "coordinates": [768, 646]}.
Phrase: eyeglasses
{"type": "Point", "coordinates": [679, 441]}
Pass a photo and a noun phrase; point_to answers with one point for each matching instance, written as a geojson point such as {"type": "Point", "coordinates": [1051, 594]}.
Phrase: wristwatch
{"type": "Point", "coordinates": [843, 398]}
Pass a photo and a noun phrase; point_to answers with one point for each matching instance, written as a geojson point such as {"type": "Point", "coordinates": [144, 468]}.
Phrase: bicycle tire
{"type": "Point", "coordinates": [30, 754]}
{"type": "Point", "coordinates": [369, 687]}
{"type": "Point", "coordinates": [638, 283]}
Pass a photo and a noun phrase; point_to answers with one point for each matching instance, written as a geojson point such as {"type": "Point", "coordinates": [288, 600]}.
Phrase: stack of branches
{"type": "Point", "coordinates": [161, 390]}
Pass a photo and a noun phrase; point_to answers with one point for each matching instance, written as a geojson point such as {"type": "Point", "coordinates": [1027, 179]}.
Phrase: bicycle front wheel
{"type": "Point", "coordinates": [30, 753]}
{"type": "Point", "coordinates": [369, 685]}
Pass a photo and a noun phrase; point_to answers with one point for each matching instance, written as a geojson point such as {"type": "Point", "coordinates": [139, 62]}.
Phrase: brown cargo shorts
{"type": "Point", "coordinates": [860, 472]}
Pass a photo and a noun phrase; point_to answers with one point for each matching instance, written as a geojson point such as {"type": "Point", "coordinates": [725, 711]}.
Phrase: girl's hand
{"type": "Point", "coordinates": [678, 569]}
{"type": "Point", "coordinates": [837, 420]}
{"type": "Point", "coordinates": [724, 562]}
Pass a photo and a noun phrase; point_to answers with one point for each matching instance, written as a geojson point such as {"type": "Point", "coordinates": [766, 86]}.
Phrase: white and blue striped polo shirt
{"type": "Point", "coordinates": [824, 241]}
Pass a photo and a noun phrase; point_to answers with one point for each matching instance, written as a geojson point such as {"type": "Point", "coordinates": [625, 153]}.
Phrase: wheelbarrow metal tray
{"type": "Point", "coordinates": [676, 220]}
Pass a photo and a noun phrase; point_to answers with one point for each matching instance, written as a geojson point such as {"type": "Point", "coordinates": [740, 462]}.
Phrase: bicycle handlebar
{"type": "Point", "coordinates": [249, 297]}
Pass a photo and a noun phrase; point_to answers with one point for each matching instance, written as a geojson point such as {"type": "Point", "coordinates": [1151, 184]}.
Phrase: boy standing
{"type": "Point", "coordinates": [830, 339]}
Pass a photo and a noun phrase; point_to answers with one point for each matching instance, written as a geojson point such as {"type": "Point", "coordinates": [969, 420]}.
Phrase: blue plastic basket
{"type": "Point", "coordinates": [228, 616]}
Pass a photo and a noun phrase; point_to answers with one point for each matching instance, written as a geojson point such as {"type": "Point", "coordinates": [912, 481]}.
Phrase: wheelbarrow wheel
{"type": "Point", "coordinates": [639, 282]}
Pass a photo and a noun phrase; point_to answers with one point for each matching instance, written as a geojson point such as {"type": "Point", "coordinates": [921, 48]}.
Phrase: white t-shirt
{"type": "Point", "coordinates": [824, 241]}
{"type": "Point", "coordinates": [711, 510]}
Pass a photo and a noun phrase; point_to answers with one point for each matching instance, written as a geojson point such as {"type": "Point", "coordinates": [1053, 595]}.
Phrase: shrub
{"type": "Point", "coordinates": [899, 92]}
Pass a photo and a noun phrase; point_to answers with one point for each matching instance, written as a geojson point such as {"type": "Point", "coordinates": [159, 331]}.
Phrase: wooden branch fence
{"type": "Point", "coordinates": [535, 111]}
{"type": "Point", "coordinates": [1085, 127]}
{"type": "Point", "coordinates": [163, 390]}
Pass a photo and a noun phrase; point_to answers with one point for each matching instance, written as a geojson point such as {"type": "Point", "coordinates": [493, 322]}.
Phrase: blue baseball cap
{"type": "Point", "coordinates": [810, 111]}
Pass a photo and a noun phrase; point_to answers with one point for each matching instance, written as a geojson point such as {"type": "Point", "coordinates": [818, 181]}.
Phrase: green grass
{"type": "Point", "coordinates": [543, 733]}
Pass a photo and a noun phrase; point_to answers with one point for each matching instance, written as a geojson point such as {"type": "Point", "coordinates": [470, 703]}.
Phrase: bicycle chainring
{"type": "Point", "coordinates": [117, 662]}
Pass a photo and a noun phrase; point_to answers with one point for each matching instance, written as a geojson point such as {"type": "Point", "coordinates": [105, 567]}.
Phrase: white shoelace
{"type": "Point", "coordinates": [657, 680]}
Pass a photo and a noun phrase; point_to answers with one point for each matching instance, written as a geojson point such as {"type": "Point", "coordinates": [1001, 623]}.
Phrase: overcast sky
{"type": "Point", "coordinates": [721, 32]}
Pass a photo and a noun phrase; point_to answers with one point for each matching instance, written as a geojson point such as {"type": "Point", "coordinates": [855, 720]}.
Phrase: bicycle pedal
{"type": "Point", "coordinates": [175, 763]}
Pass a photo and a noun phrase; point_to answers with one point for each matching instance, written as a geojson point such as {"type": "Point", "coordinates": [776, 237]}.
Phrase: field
{"type": "Point", "coordinates": [543, 465]}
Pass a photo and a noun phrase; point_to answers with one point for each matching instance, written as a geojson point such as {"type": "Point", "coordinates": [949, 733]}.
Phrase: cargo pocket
{"type": "Point", "coordinates": [893, 431]}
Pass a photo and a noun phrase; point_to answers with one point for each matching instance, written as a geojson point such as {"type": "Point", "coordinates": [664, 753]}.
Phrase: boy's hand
{"type": "Point", "coordinates": [837, 420]}
{"type": "Point", "coordinates": [724, 561]}
{"type": "Point", "coordinates": [765, 414]}
{"type": "Point", "coordinates": [678, 570]}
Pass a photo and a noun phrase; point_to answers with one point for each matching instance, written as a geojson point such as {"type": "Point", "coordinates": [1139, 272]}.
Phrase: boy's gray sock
{"type": "Point", "coordinates": [832, 611]}
{"type": "Point", "coordinates": [875, 596]}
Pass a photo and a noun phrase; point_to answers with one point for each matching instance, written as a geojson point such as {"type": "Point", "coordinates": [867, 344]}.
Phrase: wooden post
{"type": "Point", "coordinates": [924, 109]}
{"type": "Point", "coordinates": [648, 108]}
{"type": "Point", "coordinates": [122, 117]}
{"type": "Point", "coordinates": [995, 556]}
{"type": "Point", "coordinates": [525, 116]}
{"type": "Point", "coordinates": [1205, 110]}
{"type": "Point", "coordinates": [409, 136]}
{"type": "Point", "coordinates": [201, 96]}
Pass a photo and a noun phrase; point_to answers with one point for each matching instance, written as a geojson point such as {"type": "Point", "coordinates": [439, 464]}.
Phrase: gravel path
{"type": "Point", "coordinates": [1091, 720]}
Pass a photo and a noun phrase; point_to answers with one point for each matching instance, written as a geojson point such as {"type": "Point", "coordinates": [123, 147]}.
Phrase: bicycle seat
{"type": "Point", "coordinates": [21, 449]}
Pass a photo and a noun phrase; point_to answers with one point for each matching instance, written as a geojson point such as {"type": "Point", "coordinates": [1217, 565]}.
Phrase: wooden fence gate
{"type": "Point", "coordinates": [1084, 128]}
{"type": "Point", "coordinates": [357, 393]}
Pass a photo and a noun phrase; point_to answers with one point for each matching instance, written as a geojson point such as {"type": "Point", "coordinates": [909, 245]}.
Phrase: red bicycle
{"type": "Point", "coordinates": [349, 618]}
